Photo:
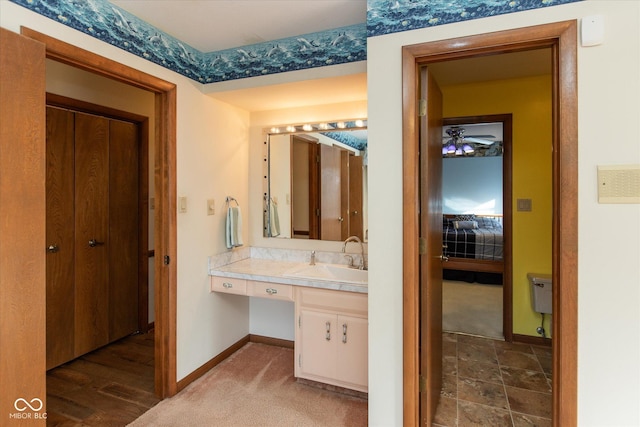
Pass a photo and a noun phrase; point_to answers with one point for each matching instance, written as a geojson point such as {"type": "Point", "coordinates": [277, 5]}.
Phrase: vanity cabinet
{"type": "Point", "coordinates": [331, 343]}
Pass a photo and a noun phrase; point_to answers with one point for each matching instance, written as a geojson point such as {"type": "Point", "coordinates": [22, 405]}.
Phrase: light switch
{"type": "Point", "coordinates": [182, 204]}
{"type": "Point", "coordinates": [211, 207]}
{"type": "Point", "coordinates": [524, 205]}
{"type": "Point", "coordinates": [619, 184]}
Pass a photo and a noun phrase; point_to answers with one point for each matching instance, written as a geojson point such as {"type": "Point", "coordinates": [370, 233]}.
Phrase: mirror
{"type": "Point", "coordinates": [316, 181]}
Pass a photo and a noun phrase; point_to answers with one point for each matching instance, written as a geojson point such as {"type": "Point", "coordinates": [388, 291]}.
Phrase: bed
{"type": "Point", "coordinates": [473, 243]}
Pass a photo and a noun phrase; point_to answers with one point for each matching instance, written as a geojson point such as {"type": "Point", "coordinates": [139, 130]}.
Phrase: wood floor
{"type": "Point", "coordinates": [111, 386]}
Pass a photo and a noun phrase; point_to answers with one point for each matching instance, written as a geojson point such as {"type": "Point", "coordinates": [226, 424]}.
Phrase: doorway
{"type": "Point", "coordinates": [97, 227]}
{"type": "Point", "coordinates": [477, 186]}
{"type": "Point", "coordinates": [165, 265]}
{"type": "Point", "coordinates": [561, 38]}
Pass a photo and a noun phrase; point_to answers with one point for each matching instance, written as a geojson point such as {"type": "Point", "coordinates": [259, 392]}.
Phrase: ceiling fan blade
{"type": "Point", "coordinates": [478, 140]}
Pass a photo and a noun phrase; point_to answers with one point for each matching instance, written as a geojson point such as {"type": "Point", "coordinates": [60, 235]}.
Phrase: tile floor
{"type": "Point", "coordinates": [494, 383]}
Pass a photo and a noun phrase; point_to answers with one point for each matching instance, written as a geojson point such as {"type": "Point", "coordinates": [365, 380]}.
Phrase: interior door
{"type": "Point", "coordinates": [92, 232]}
{"type": "Point", "coordinates": [431, 251]}
{"type": "Point", "coordinates": [330, 201]}
{"type": "Point", "coordinates": [123, 228]}
{"type": "Point", "coordinates": [60, 235]}
{"type": "Point", "coordinates": [356, 222]}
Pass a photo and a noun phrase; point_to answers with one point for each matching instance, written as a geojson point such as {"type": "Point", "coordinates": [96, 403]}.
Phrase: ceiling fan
{"type": "Point", "coordinates": [458, 143]}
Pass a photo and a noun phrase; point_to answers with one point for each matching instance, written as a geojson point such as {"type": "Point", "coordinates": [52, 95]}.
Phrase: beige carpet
{"type": "Point", "coordinates": [255, 387]}
{"type": "Point", "coordinates": [472, 308]}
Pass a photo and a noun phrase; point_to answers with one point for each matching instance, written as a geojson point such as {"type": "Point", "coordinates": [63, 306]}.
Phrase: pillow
{"type": "Point", "coordinates": [465, 217]}
{"type": "Point", "coordinates": [465, 225]}
{"type": "Point", "coordinates": [488, 222]}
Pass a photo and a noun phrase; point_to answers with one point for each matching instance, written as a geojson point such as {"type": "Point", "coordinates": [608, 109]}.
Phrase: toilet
{"type": "Point", "coordinates": [541, 295]}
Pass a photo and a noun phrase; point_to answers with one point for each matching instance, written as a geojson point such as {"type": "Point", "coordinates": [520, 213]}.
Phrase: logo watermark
{"type": "Point", "coordinates": [28, 409]}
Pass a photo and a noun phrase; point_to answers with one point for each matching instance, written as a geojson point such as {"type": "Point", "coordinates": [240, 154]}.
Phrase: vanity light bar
{"type": "Point", "coordinates": [326, 126]}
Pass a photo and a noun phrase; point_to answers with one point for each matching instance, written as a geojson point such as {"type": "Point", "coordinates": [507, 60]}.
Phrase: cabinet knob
{"type": "Point", "coordinates": [227, 285]}
{"type": "Point", "coordinates": [53, 249]}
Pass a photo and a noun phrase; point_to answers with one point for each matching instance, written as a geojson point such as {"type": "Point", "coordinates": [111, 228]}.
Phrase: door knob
{"type": "Point", "coordinates": [444, 258]}
{"type": "Point", "coordinates": [93, 243]}
{"type": "Point", "coordinates": [53, 249]}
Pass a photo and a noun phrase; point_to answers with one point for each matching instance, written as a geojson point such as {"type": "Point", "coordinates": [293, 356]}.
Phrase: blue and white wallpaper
{"type": "Point", "coordinates": [113, 25]}
{"type": "Point", "coordinates": [392, 16]}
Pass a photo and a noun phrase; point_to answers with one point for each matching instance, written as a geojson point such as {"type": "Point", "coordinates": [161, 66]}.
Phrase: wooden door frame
{"type": "Point", "coordinates": [76, 105]}
{"type": "Point", "coordinates": [507, 209]}
{"type": "Point", "coordinates": [561, 37]}
{"type": "Point", "coordinates": [165, 229]}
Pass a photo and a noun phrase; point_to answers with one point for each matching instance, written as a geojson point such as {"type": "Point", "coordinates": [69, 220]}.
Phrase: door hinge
{"type": "Point", "coordinates": [317, 212]}
{"type": "Point", "coordinates": [422, 108]}
{"type": "Point", "coordinates": [299, 321]}
{"type": "Point", "coordinates": [422, 246]}
{"type": "Point", "coordinates": [167, 260]}
{"type": "Point", "coordinates": [300, 360]}
{"type": "Point", "coordinates": [422, 383]}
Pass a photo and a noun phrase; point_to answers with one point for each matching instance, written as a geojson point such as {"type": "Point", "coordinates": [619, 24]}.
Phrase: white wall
{"type": "Point", "coordinates": [609, 298]}
{"type": "Point", "coordinates": [212, 162]}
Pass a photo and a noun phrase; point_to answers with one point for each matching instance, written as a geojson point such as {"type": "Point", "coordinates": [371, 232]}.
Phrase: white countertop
{"type": "Point", "coordinates": [269, 270]}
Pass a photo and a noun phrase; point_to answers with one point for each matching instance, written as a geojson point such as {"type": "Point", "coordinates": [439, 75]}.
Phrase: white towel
{"type": "Point", "coordinates": [234, 227]}
{"type": "Point", "coordinates": [274, 222]}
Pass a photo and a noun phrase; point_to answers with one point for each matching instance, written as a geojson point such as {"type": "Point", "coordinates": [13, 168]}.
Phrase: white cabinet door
{"type": "Point", "coordinates": [352, 364]}
{"type": "Point", "coordinates": [318, 338]}
{"type": "Point", "coordinates": [331, 337]}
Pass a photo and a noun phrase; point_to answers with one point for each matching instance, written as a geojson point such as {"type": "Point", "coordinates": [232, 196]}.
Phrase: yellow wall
{"type": "Point", "coordinates": [529, 102]}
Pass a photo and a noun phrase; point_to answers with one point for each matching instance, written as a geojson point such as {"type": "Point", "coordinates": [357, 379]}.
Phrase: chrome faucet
{"type": "Point", "coordinates": [312, 258]}
{"type": "Point", "coordinates": [356, 239]}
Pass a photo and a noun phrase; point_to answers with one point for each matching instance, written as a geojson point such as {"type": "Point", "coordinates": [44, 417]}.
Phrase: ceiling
{"type": "Point", "coordinates": [212, 25]}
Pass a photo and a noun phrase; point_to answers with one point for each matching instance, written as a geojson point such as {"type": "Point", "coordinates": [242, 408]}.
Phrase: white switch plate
{"type": "Point", "coordinates": [182, 204]}
{"type": "Point", "coordinates": [211, 207]}
{"type": "Point", "coordinates": [619, 184]}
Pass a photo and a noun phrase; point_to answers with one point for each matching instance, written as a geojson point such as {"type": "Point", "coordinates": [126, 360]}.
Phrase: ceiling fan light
{"type": "Point", "coordinates": [451, 149]}
{"type": "Point", "coordinates": [459, 152]}
{"type": "Point", "coordinates": [445, 151]}
{"type": "Point", "coordinates": [467, 149]}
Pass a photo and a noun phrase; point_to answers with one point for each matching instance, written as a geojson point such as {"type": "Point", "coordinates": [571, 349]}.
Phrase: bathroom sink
{"type": "Point", "coordinates": [331, 272]}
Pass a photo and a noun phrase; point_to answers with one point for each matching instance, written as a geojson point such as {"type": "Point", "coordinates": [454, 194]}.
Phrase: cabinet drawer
{"type": "Point", "coordinates": [270, 290]}
{"type": "Point", "coordinates": [339, 301]}
{"type": "Point", "coordinates": [229, 285]}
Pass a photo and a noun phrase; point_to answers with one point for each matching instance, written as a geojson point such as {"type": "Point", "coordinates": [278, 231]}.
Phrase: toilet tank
{"type": "Point", "coordinates": [541, 292]}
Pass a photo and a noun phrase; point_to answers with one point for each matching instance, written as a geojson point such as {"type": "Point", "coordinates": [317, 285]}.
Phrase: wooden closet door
{"type": "Point", "coordinates": [123, 229]}
{"type": "Point", "coordinates": [330, 194]}
{"type": "Point", "coordinates": [92, 232]}
{"type": "Point", "coordinates": [60, 236]}
{"type": "Point", "coordinates": [356, 221]}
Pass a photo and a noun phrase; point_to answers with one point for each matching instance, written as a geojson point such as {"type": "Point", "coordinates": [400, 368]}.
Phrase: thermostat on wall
{"type": "Point", "coordinates": [619, 184]}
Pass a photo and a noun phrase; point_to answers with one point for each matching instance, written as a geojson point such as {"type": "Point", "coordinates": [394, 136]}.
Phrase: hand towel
{"type": "Point", "coordinates": [274, 223]}
{"type": "Point", "coordinates": [234, 227]}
